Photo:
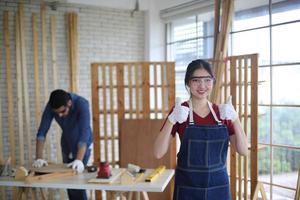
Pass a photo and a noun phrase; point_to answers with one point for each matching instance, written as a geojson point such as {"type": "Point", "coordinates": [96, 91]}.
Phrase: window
{"type": "Point", "coordinates": [190, 38]}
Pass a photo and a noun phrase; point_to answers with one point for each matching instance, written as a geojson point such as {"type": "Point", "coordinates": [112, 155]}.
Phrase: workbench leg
{"type": "Point", "coordinates": [145, 195]}
{"type": "Point", "coordinates": [138, 195]}
{"type": "Point", "coordinates": [108, 195]}
{"type": "Point", "coordinates": [20, 192]}
{"type": "Point", "coordinates": [33, 193]}
{"type": "Point", "coordinates": [129, 195]}
{"type": "Point", "coordinates": [42, 194]}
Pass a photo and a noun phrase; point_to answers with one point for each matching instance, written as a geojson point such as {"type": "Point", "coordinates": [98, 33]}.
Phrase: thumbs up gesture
{"type": "Point", "coordinates": [227, 110]}
{"type": "Point", "coordinates": [179, 114]}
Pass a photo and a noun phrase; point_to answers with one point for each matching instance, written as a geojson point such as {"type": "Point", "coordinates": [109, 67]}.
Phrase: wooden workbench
{"type": "Point", "coordinates": [80, 181]}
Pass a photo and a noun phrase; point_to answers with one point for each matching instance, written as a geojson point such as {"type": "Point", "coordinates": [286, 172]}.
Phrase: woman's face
{"type": "Point", "coordinates": [201, 84]}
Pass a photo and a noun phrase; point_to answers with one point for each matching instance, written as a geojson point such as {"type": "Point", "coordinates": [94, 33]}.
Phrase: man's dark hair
{"type": "Point", "coordinates": [58, 98]}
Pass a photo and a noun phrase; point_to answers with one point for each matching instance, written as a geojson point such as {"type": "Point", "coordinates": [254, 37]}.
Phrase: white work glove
{"type": "Point", "coordinates": [77, 165]}
{"type": "Point", "coordinates": [39, 163]}
{"type": "Point", "coordinates": [227, 111]}
{"type": "Point", "coordinates": [180, 113]}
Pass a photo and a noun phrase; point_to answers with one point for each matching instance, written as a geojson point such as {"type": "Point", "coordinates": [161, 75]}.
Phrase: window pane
{"type": "Point", "coordinates": [264, 96]}
{"type": "Point", "coordinates": [286, 42]}
{"type": "Point", "coordinates": [284, 11]}
{"type": "Point", "coordinates": [282, 193]}
{"type": "Point", "coordinates": [285, 166]}
{"type": "Point", "coordinates": [264, 168]}
{"type": "Point", "coordinates": [250, 14]}
{"type": "Point", "coordinates": [286, 123]}
{"type": "Point", "coordinates": [264, 125]}
{"type": "Point", "coordinates": [255, 41]}
{"type": "Point", "coordinates": [286, 84]}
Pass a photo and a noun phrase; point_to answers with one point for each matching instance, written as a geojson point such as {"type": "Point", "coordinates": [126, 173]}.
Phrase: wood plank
{"type": "Point", "coordinates": [254, 122]}
{"type": "Point", "coordinates": [36, 69]}
{"type": "Point", "coordinates": [155, 91]}
{"type": "Point", "coordinates": [233, 71]}
{"type": "Point", "coordinates": [216, 23]}
{"type": "Point", "coordinates": [112, 119]}
{"type": "Point", "coordinates": [240, 112]}
{"type": "Point", "coordinates": [51, 168]}
{"type": "Point", "coordinates": [146, 90]}
{"type": "Point", "coordinates": [9, 84]}
{"type": "Point", "coordinates": [73, 49]}
{"type": "Point", "coordinates": [246, 125]}
{"type": "Point", "coordinates": [170, 68]}
{"type": "Point", "coordinates": [45, 68]}
{"type": "Point", "coordinates": [2, 189]}
{"type": "Point", "coordinates": [51, 176]}
{"type": "Point", "coordinates": [96, 120]}
{"type": "Point", "coordinates": [25, 84]}
{"type": "Point", "coordinates": [163, 93]}
{"type": "Point", "coordinates": [55, 82]}
{"type": "Point", "coordinates": [19, 90]}
{"type": "Point", "coordinates": [95, 112]}
{"type": "Point", "coordinates": [104, 96]}
{"type": "Point", "coordinates": [137, 91]}
{"type": "Point", "coordinates": [130, 96]}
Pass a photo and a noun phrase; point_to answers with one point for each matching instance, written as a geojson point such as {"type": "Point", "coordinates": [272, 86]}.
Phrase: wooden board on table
{"type": "Point", "coordinates": [115, 174]}
{"type": "Point", "coordinates": [52, 168]}
{"type": "Point", "coordinates": [137, 138]}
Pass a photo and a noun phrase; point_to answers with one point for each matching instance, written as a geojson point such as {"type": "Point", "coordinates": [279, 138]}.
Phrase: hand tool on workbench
{"type": "Point", "coordinates": [157, 171]}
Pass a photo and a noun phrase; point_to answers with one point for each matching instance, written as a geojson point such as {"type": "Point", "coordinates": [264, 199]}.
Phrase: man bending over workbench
{"type": "Point", "coordinates": [72, 113]}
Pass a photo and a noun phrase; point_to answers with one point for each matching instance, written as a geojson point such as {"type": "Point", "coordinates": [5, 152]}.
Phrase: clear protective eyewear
{"type": "Point", "coordinates": [197, 80]}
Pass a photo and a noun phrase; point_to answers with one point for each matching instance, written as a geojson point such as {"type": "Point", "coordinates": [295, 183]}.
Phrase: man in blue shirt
{"type": "Point", "coordinates": [72, 114]}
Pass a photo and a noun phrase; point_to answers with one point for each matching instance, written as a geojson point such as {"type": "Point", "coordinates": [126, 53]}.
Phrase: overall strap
{"type": "Point", "coordinates": [214, 113]}
{"type": "Point", "coordinates": [191, 121]}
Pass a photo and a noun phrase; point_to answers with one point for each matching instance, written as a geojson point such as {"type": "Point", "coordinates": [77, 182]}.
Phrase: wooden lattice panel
{"type": "Point", "coordinates": [135, 90]}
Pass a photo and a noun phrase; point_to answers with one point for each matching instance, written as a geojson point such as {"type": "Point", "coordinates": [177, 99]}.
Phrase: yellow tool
{"type": "Point", "coordinates": [155, 173]}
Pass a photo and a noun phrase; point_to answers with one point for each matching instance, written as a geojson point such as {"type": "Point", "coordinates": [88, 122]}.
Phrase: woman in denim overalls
{"type": "Point", "coordinates": [205, 130]}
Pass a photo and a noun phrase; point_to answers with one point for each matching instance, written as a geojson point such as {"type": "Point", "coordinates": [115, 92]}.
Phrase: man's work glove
{"type": "Point", "coordinates": [38, 163]}
{"type": "Point", "coordinates": [77, 165]}
{"type": "Point", "coordinates": [180, 113]}
{"type": "Point", "coordinates": [227, 111]}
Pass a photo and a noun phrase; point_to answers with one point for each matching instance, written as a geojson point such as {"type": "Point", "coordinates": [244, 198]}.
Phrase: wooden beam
{"type": "Point", "coordinates": [45, 68]}
{"type": "Point", "coordinates": [254, 122]}
{"type": "Point", "coordinates": [95, 112]}
{"type": "Point", "coordinates": [145, 90]}
{"type": "Point", "coordinates": [36, 69]}
{"type": "Point", "coordinates": [9, 84]}
{"type": "Point", "coordinates": [19, 90]}
{"type": "Point", "coordinates": [73, 49]}
{"type": "Point", "coordinates": [112, 118]}
{"type": "Point", "coordinates": [104, 96]}
{"type": "Point", "coordinates": [2, 189]}
{"type": "Point", "coordinates": [246, 67]}
{"type": "Point", "coordinates": [25, 84]}
{"type": "Point", "coordinates": [233, 163]}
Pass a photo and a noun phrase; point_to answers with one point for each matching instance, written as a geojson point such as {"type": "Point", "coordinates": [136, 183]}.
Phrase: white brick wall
{"type": "Point", "coordinates": [103, 35]}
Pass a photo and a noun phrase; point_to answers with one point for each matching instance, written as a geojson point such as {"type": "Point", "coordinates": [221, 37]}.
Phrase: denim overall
{"type": "Point", "coordinates": [201, 172]}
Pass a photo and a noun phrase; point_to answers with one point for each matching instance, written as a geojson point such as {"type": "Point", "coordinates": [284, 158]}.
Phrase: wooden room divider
{"type": "Point", "coordinates": [135, 90]}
